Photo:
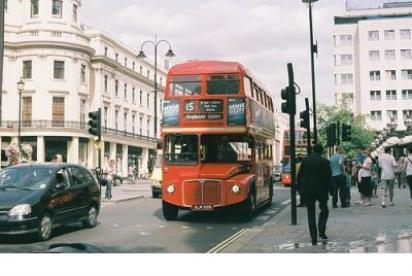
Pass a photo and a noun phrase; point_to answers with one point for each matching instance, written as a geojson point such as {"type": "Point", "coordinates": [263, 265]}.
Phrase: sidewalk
{"type": "Point", "coordinates": [357, 229]}
{"type": "Point", "coordinates": [129, 191]}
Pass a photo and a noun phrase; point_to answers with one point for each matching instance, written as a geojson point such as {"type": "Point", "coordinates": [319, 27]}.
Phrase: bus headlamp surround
{"type": "Point", "coordinates": [170, 189]}
{"type": "Point", "coordinates": [236, 189]}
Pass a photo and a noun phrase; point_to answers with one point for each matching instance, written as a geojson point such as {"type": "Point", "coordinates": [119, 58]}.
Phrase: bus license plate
{"type": "Point", "coordinates": [202, 208]}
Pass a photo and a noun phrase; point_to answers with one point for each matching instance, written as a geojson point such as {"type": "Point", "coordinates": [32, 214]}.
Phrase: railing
{"type": "Point", "coordinates": [117, 132]}
{"type": "Point", "coordinates": [44, 124]}
{"type": "Point", "coordinates": [72, 125]}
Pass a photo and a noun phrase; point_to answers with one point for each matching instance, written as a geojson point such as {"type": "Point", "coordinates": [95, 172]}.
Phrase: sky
{"type": "Point", "coordinates": [263, 35]}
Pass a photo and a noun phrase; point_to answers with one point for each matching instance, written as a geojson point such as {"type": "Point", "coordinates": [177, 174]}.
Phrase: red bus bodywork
{"type": "Point", "coordinates": [201, 185]}
{"type": "Point", "coordinates": [301, 150]}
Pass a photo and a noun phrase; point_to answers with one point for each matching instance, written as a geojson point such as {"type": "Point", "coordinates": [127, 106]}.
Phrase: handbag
{"type": "Point", "coordinates": [103, 180]}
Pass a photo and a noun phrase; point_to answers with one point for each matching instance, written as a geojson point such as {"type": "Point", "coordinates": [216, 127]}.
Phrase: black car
{"type": "Point", "coordinates": [35, 198]}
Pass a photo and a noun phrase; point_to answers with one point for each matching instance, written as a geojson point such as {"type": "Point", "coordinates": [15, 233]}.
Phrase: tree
{"type": "Point", "coordinates": [362, 135]}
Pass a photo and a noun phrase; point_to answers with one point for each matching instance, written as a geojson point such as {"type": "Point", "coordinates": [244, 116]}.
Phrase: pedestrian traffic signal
{"type": "Point", "coordinates": [346, 133]}
{"type": "Point", "coordinates": [95, 127]}
{"type": "Point", "coordinates": [304, 119]}
{"type": "Point", "coordinates": [289, 96]}
{"type": "Point", "coordinates": [331, 135]}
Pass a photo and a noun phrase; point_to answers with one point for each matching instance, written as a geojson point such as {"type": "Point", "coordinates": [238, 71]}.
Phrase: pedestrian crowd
{"type": "Point", "coordinates": [319, 177]}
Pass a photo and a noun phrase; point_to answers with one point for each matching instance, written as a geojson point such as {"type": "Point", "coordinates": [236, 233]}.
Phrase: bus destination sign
{"type": "Point", "coordinates": [207, 106]}
{"type": "Point", "coordinates": [202, 110]}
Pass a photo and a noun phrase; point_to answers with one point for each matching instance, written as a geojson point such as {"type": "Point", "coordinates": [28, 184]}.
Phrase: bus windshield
{"type": "Point", "coordinates": [185, 86]}
{"type": "Point", "coordinates": [223, 85]}
{"type": "Point", "coordinates": [225, 149]}
{"type": "Point", "coordinates": [181, 149]}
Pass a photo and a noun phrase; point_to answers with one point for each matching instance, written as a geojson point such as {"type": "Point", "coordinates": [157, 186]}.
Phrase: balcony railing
{"type": "Point", "coordinates": [70, 125]}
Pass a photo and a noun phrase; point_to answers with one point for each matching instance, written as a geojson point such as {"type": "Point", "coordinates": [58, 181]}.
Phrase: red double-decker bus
{"type": "Point", "coordinates": [218, 131]}
{"type": "Point", "coordinates": [301, 151]}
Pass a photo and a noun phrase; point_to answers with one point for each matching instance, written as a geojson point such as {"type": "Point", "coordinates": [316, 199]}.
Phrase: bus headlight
{"type": "Point", "coordinates": [235, 189]}
{"type": "Point", "coordinates": [170, 189]}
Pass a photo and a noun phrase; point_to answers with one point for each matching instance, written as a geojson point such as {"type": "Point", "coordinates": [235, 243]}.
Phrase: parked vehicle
{"type": "Point", "coordinates": [286, 178]}
{"type": "Point", "coordinates": [35, 198]}
{"type": "Point", "coordinates": [156, 177]}
{"type": "Point", "coordinates": [117, 180]}
{"type": "Point", "coordinates": [277, 174]}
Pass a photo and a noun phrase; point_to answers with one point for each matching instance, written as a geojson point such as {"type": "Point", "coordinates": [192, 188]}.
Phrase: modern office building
{"type": "Point", "coordinates": [373, 62]}
{"type": "Point", "coordinates": [68, 70]}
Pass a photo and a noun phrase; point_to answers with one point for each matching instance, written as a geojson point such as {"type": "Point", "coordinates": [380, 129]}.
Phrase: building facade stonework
{"type": "Point", "coordinates": [70, 69]}
{"type": "Point", "coordinates": [373, 63]}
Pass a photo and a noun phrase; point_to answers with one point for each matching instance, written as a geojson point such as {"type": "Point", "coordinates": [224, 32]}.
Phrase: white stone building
{"type": "Point", "coordinates": [373, 62]}
{"type": "Point", "coordinates": [69, 70]}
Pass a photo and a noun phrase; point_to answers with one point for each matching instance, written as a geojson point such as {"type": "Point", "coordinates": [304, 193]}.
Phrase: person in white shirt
{"type": "Point", "coordinates": [365, 180]}
{"type": "Point", "coordinates": [388, 165]}
{"type": "Point", "coordinates": [408, 165]}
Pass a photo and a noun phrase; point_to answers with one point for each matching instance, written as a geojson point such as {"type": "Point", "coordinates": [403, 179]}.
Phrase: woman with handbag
{"type": "Point", "coordinates": [109, 172]}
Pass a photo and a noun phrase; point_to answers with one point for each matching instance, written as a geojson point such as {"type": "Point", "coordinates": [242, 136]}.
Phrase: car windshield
{"type": "Point", "coordinates": [29, 179]}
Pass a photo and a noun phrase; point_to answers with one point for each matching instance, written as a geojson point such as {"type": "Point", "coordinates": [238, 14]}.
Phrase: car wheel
{"type": "Point", "coordinates": [155, 194]}
{"type": "Point", "coordinates": [45, 228]}
{"type": "Point", "coordinates": [91, 220]}
{"type": "Point", "coordinates": [170, 211]}
{"type": "Point", "coordinates": [117, 181]}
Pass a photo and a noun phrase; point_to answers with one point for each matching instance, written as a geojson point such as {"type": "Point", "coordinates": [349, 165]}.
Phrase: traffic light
{"type": "Point", "coordinates": [331, 135]}
{"type": "Point", "coordinates": [95, 127]}
{"type": "Point", "coordinates": [289, 96]}
{"type": "Point", "coordinates": [346, 133]}
{"type": "Point", "coordinates": [304, 119]}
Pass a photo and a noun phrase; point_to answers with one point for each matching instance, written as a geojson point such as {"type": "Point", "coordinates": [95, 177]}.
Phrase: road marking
{"type": "Point", "coordinates": [185, 227]}
{"type": "Point", "coordinates": [209, 227]}
{"type": "Point", "coordinates": [286, 202]}
{"type": "Point", "coordinates": [218, 248]}
{"type": "Point", "coordinates": [115, 225]}
{"type": "Point", "coordinates": [145, 233]}
{"type": "Point", "coordinates": [162, 226]}
{"type": "Point", "coordinates": [138, 226]}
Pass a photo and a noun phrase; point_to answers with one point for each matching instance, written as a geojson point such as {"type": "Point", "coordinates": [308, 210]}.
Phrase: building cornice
{"type": "Point", "coordinates": [117, 66]}
{"type": "Point", "coordinates": [120, 46]}
{"type": "Point", "coordinates": [51, 44]}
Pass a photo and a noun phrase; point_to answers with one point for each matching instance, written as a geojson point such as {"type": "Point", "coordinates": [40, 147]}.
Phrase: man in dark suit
{"type": "Point", "coordinates": [315, 184]}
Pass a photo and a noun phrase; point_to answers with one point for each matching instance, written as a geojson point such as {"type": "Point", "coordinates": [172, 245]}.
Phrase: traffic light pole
{"type": "Point", "coordinates": [338, 133]}
{"type": "Point", "coordinates": [308, 134]}
{"type": "Point", "coordinates": [99, 153]}
{"type": "Point", "coordinates": [292, 101]}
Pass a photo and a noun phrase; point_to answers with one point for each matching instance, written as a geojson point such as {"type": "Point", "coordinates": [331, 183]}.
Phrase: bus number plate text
{"type": "Point", "coordinates": [202, 208]}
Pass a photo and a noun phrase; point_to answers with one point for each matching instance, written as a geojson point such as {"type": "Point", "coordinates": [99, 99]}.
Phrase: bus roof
{"type": "Point", "coordinates": [207, 67]}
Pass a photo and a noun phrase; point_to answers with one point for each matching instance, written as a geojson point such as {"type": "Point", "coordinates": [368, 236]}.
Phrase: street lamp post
{"type": "Point", "coordinates": [313, 51]}
{"type": "Point", "coordinates": [169, 54]}
{"type": "Point", "coordinates": [20, 88]}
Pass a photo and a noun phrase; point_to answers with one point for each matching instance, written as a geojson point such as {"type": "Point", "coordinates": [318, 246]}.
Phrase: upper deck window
{"type": "Point", "coordinates": [223, 85]}
{"type": "Point", "coordinates": [185, 86]}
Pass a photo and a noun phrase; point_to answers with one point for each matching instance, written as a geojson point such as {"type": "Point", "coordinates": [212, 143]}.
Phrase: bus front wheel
{"type": "Point", "coordinates": [250, 205]}
{"type": "Point", "coordinates": [170, 211]}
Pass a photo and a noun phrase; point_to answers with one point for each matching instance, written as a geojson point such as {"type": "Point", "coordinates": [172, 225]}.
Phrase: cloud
{"type": "Point", "coordinates": [264, 35]}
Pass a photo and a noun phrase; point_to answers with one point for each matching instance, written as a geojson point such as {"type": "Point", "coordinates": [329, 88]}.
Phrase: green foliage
{"type": "Point", "coordinates": [362, 136]}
